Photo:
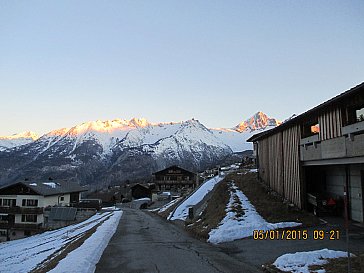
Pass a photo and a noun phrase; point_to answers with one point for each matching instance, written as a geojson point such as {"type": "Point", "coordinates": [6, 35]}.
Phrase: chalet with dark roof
{"type": "Point", "coordinates": [175, 178]}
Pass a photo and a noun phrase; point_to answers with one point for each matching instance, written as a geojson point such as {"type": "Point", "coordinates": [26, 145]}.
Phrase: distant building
{"type": "Point", "coordinates": [311, 158]}
{"type": "Point", "coordinates": [22, 205]}
{"type": "Point", "coordinates": [175, 178]}
{"type": "Point", "coordinates": [141, 191]}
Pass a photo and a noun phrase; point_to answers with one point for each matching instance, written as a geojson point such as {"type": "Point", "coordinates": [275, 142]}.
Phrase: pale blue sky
{"type": "Point", "coordinates": [66, 62]}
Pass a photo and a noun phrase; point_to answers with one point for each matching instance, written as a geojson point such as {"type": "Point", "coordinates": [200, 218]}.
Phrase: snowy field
{"type": "Point", "coordinates": [234, 227]}
{"type": "Point", "coordinates": [181, 211]}
{"type": "Point", "coordinates": [26, 254]}
{"type": "Point", "coordinates": [299, 262]}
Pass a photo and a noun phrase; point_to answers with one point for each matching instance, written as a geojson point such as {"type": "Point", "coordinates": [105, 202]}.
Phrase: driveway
{"type": "Point", "coordinates": [144, 242]}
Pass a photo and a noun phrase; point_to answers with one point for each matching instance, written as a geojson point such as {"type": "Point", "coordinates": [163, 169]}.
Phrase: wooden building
{"type": "Point", "coordinates": [141, 191]}
{"type": "Point", "coordinates": [175, 178]}
{"type": "Point", "coordinates": [317, 154]}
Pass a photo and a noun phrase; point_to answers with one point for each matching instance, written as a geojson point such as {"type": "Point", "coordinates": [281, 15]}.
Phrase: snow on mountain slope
{"type": "Point", "coordinates": [15, 140]}
{"type": "Point", "coordinates": [235, 140]}
{"type": "Point", "coordinates": [138, 132]}
{"type": "Point", "coordinates": [116, 150]}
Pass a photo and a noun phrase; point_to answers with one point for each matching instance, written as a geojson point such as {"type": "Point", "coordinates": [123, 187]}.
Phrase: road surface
{"type": "Point", "coordinates": [144, 242]}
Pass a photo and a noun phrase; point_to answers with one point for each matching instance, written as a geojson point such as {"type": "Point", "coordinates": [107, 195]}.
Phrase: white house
{"type": "Point", "coordinates": [22, 205]}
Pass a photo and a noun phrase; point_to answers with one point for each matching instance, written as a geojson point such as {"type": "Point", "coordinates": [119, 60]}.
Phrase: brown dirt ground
{"type": "Point", "coordinates": [341, 265]}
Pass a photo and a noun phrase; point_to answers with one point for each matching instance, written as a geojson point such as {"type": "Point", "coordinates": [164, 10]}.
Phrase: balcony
{"type": "Point", "coordinates": [175, 182]}
{"type": "Point", "coordinates": [344, 150]}
{"type": "Point", "coordinates": [35, 226]}
{"type": "Point", "coordinates": [353, 128]}
{"type": "Point", "coordinates": [21, 210]}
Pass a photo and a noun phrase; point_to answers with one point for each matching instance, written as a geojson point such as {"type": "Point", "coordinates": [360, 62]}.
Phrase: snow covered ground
{"type": "Point", "coordinates": [300, 261]}
{"type": "Point", "coordinates": [235, 226]}
{"type": "Point", "coordinates": [169, 204]}
{"type": "Point", "coordinates": [181, 211]}
{"type": "Point", "coordinates": [25, 254]}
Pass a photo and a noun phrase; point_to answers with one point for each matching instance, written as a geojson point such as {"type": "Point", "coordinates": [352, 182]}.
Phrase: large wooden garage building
{"type": "Point", "coordinates": [314, 156]}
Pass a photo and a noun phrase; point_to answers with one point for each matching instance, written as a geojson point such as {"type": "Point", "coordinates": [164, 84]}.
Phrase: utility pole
{"type": "Point", "coordinates": [347, 226]}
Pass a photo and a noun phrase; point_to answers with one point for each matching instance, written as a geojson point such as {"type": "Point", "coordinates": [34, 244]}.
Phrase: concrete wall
{"type": "Point", "coordinates": [335, 181]}
{"type": "Point", "coordinates": [356, 192]}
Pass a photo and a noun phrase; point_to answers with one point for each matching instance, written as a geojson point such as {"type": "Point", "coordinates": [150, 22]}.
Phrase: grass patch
{"type": "Point", "coordinates": [268, 204]}
{"type": "Point", "coordinates": [340, 265]}
{"type": "Point", "coordinates": [212, 214]}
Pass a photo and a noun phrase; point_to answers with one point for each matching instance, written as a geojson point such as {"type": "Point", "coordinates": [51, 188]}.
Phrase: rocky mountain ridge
{"type": "Point", "coordinates": [113, 151]}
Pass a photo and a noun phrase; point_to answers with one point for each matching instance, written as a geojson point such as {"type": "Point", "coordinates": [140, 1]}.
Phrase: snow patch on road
{"type": "Point", "coordinates": [24, 255]}
{"type": "Point", "coordinates": [235, 226]}
{"type": "Point", "coordinates": [84, 258]}
{"type": "Point", "coordinates": [299, 262]}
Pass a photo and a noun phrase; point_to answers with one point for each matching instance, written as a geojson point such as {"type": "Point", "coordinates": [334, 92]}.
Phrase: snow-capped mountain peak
{"type": "Point", "coordinates": [7, 142]}
{"type": "Point", "coordinates": [257, 122]}
{"type": "Point", "coordinates": [23, 135]}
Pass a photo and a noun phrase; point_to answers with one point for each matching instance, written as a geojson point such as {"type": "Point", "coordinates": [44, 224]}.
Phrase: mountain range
{"type": "Point", "coordinates": [108, 152]}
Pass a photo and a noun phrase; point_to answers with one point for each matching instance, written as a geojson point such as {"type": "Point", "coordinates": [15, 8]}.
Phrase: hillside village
{"type": "Point", "coordinates": [301, 190]}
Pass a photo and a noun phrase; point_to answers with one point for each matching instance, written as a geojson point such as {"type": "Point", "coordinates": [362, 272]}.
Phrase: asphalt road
{"type": "Point", "coordinates": [144, 242]}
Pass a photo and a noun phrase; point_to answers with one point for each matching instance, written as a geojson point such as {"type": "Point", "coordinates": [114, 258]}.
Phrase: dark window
{"type": "Point", "coordinates": [310, 129]}
{"type": "Point", "coordinates": [30, 202]}
{"type": "Point", "coordinates": [29, 218]}
{"type": "Point", "coordinates": [353, 114]}
{"type": "Point", "coordinates": [4, 218]}
{"type": "Point", "coordinates": [1, 202]}
{"type": "Point", "coordinates": [62, 198]}
{"type": "Point", "coordinates": [2, 232]}
{"type": "Point", "coordinates": [9, 202]}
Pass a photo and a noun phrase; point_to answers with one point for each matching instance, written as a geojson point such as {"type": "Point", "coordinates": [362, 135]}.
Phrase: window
{"type": "Point", "coordinates": [29, 218]}
{"type": "Point", "coordinates": [2, 232]}
{"type": "Point", "coordinates": [1, 202]}
{"type": "Point", "coordinates": [310, 129]}
{"type": "Point", "coordinates": [9, 202]}
{"type": "Point", "coordinates": [360, 114]}
{"type": "Point", "coordinates": [353, 114]}
{"type": "Point", "coordinates": [4, 218]}
{"type": "Point", "coordinates": [62, 198]}
{"type": "Point", "coordinates": [29, 202]}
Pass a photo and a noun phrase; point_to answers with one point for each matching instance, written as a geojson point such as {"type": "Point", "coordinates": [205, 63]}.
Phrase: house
{"type": "Point", "coordinates": [22, 205]}
{"type": "Point", "coordinates": [314, 158]}
{"type": "Point", "coordinates": [108, 196]}
{"type": "Point", "coordinates": [175, 178]}
{"type": "Point", "coordinates": [141, 191]}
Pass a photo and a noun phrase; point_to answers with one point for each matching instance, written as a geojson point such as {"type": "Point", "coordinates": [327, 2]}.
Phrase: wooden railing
{"type": "Point", "coordinates": [21, 210]}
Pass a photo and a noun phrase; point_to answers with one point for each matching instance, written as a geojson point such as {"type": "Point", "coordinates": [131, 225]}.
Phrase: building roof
{"type": "Point", "coordinates": [173, 167]}
{"type": "Point", "coordinates": [51, 187]}
{"type": "Point", "coordinates": [320, 107]}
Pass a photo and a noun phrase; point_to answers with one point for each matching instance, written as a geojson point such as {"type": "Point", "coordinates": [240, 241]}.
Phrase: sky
{"type": "Point", "coordinates": [67, 62]}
